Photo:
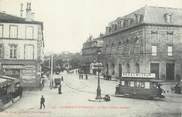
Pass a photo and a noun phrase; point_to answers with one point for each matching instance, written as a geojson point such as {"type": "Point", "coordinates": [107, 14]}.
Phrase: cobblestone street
{"type": "Point", "coordinates": [74, 102]}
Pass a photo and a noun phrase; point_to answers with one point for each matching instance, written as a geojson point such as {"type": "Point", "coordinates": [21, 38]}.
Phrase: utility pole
{"type": "Point", "coordinates": [51, 79]}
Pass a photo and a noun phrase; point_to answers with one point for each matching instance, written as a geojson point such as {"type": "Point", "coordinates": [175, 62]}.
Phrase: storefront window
{"type": "Point", "coordinates": [147, 85]}
{"type": "Point", "coordinates": [132, 83]}
{"type": "Point", "coordinates": [122, 83]}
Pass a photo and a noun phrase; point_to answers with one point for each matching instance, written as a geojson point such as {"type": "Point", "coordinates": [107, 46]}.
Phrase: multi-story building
{"type": "Point", "coordinates": [21, 47]}
{"type": "Point", "coordinates": [148, 40]}
{"type": "Point", "coordinates": [90, 53]}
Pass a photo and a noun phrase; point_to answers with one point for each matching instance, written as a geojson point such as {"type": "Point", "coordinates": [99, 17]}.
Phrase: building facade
{"type": "Point", "coordinates": [148, 40]}
{"type": "Point", "coordinates": [21, 48]}
{"type": "Point", "coordinates": [90, 53]}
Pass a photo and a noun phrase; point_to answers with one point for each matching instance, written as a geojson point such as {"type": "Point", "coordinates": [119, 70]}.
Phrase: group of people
{"type": "Point", "coordinates": [82, 75]}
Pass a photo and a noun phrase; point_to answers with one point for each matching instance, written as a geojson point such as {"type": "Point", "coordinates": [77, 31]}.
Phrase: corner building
{"type": "Point", "coordinates": [148, 40]}
{"type": "Point", "coordinates": [21, 48]}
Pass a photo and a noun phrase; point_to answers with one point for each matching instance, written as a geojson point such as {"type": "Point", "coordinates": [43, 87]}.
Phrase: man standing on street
{"type": "Point", "coordinates": [42, 101]}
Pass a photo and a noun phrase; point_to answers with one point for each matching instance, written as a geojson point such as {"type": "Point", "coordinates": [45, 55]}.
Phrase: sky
{"type": "Point", "coordinates": [69, 23]}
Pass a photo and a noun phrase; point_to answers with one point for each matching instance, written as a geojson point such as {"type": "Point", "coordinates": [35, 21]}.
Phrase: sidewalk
{"type": "Point", "coordinates": [10, 103]}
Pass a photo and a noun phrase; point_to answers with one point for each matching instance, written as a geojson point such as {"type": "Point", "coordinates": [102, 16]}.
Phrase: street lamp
{"type": "Point", "coordinates": [98, 83]}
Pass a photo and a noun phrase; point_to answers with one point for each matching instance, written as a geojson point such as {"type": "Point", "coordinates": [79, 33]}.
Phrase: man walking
{"type": "Point", "coordinates": [42, 101]}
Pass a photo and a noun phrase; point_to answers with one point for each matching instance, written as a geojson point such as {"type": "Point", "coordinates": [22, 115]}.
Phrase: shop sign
{"type": "Point", "coordinates": [139, 75]}
{"type": "Point", "coordinates": [29, 67]}
{"type": "Point", "coordinates": [12, 66]}
{"type": "Point", "coordinates": [28, 77]}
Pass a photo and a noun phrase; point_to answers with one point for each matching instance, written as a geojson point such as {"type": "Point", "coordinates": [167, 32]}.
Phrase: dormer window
{"type": "Point", "coordinates": [168, 18]}
{"type": "Point", "coordinates": [138, 18]}
{"type": "Point", "coordinates": [115, 26]}
{"type": "Point", "coordinates": [125, 23]}
{"type": "Point", "coordinates": [108, 29]}
{"type": "Point", "coordinates": [120, 23]}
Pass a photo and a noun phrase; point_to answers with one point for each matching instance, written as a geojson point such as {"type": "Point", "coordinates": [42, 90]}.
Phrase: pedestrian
{"type": "Point", "coordinates": [79, 76]}
{"type": "Point", "coordinates": [59, 89]}
{"type": "Point", "coordinates": [20, 91]}
{"type": "Point", "coordinates": [43, 82]}
{"type": "Point", "coordinates": [62, 78]}
{"type": "Point", "coordinates": [86, 77]}
{"type": "Point", "coordinates": [42, 102]}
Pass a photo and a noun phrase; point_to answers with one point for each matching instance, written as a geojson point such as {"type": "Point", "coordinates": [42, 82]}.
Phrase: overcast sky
{"type": "Point", "coordinates": [68, 23]}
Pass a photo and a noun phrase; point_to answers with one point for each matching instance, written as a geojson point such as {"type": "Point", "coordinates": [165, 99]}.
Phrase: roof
{"type": "Point", "coordinates": [155, 15]}
{"type": "Point", "coordinates": [14, 19]}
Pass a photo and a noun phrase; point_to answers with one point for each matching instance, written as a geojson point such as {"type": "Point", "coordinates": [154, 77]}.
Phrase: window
{"type": "Point", "coordinates": [29, 52]}
{"type": "Point", "coordinates": [137, 68]}
{"type": "Point", "coordinates": [122, 83]}
{"type": "Point", "coordinates": [1, 30]}
{"type": "Point", "coordinates": [170, 35]}
{"type": "Point", "coordinates": [154, 35]}
{"type": "Point", "coordinates": [128, 67]}
{"type": "Point", "coordinates": [154, 50]}
{"type": "Point", "coordinates": [140, 84]}
{"type": "Point", "coordinates": [147, 85]}
{"type": "Point", "coordinates": [132, 83]}
{"type": "Point", "coordinates": [13, 51]}
{"type": "Point", "coordinates": [29, 32]}
{"type": "Point", "coordinates": [169, 51]}
{"type": "Point", "coordinates": [13, 31]}
{"type": "Point", "coordinates": [168, 18]}
{"type": "Point", "coordinates": [113, 66]}
{"type": "Point", "coordinates": [138, 18]}
{"type": "Point", "coordinates": [1, 51]}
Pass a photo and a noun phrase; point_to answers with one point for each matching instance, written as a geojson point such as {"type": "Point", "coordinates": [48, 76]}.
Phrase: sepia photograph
{"type": "Point", "coordinates": [90, 58]}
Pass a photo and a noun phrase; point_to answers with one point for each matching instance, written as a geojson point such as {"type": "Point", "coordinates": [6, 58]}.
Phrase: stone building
{"type": "Point", "coordinates": [148, 40]}
{"type": "Point", "coordinates": [21, 47]}
{"type": "Point", "coordinates": [90, 53]}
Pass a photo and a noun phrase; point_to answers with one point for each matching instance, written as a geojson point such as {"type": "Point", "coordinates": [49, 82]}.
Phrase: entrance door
{"type": "Point", "coordinates": [120, 70]}
{"type": "Point", "coordinates": [170, 71]}
{"type": "Point", "coordinates": [154, 68]}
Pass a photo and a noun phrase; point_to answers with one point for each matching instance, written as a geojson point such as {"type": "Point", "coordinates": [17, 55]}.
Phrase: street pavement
{"type": "Point", "coordinates": [74, 102]}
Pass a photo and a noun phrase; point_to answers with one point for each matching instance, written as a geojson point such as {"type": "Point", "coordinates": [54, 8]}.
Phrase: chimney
{"type": "Point", "coordinates": [21, 10]}
{"type": "Point", "coordinates": [28, 12]}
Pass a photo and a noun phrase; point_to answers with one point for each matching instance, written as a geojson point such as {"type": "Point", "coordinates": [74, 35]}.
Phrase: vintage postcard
{"type": "Point", "coordinates": [91, 58]}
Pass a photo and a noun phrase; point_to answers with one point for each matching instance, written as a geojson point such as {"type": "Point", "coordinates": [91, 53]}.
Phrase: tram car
{"type": "Point", "coordinates": [137, 85]}
{"type": "Point", "coordinates": [10, 88]}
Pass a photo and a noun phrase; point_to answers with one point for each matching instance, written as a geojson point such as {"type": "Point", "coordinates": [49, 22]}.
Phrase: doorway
{"type": "Point", "coordinates": [120, 70]}
{"type": "Point", "coordinates": [154, 68]}
{"type": "Point", "coordinates": [169, 71]}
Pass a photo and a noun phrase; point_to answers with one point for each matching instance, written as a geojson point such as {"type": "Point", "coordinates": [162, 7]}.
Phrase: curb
{"type": "Point", "coordinates": [10, 103]}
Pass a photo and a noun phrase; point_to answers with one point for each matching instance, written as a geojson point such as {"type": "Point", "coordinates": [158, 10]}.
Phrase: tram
{"type": "Point", "coordinates": [10, 89]}
{"type": "Point", "coordinates": [139, 85]}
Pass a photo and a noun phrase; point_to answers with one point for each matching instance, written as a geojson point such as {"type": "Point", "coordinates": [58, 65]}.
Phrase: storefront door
{"type": "Point", "coordinates": [170, 71]}
{"type": "Point", "coordinates": [154, 68]}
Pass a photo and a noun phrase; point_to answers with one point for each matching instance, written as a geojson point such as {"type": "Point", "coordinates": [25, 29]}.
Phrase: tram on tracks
{"type": "Point", "coordinates": [139, 85]}
{"type": "Point", "coordinates": [10, 89]}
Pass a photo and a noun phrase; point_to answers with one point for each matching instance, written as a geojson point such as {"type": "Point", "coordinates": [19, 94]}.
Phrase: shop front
{"type": "Point", "coordinates": [27, 73]}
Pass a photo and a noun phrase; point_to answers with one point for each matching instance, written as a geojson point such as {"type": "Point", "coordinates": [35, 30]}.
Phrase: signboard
{"type": "Point", "coordinates": [29, 67]}
{"type": "Point", "coordinates": [139, 75]}
{"type": "Point", "coordinates": [12, 66]}
{"type": "Point", "coordinates": [29, 72]}
{"type": "Point", "coordinates": [28, 77]}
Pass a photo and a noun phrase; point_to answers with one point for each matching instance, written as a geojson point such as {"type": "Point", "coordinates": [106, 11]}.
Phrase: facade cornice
{"type": "Point", "coordinates": [138, 25]}
{"type": "Point", "coordinates": [2, 38]}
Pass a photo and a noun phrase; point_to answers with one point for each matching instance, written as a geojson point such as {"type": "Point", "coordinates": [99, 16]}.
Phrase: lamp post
{"type": "Point", "coordinates": [98, 83]}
